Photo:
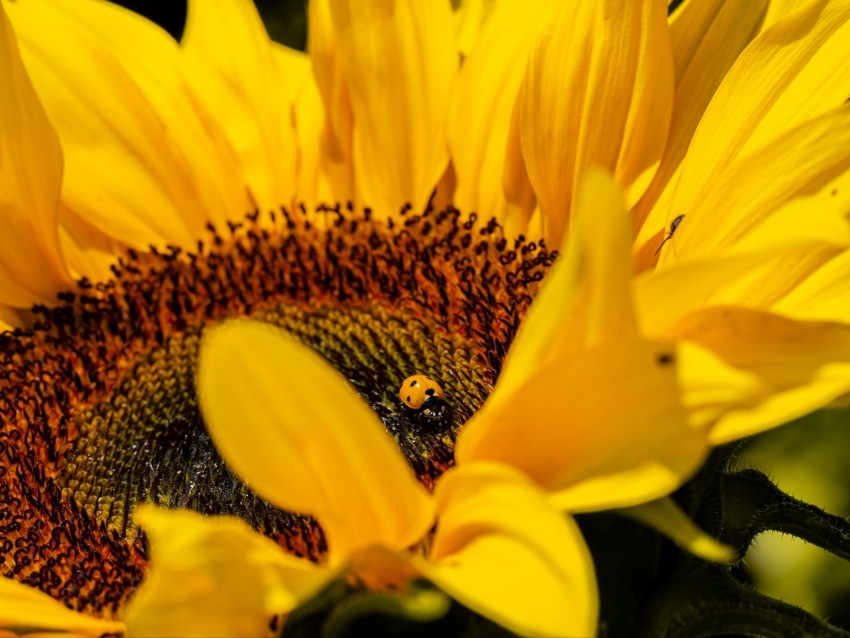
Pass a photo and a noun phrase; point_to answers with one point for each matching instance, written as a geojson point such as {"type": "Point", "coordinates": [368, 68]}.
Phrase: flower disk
{"type": "Point", "coordinates": [98, 398]}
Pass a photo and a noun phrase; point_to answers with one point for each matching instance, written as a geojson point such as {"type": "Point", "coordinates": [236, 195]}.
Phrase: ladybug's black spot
{"type": "Point", "coordinates": [430, 392]}
{"type": "Point", "coordinates": [666, 358]}
{"type": "Point", "coordinates": [414, 383]}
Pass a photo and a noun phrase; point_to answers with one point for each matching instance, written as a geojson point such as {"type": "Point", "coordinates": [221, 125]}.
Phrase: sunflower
{"type": "Point", "coordinates": [129, 161]}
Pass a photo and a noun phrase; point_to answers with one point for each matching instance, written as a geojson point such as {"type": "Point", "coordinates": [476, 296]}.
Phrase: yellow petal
{"type": "Point", "coordinates": [755, 270]}
{"type": "Point", "coordinates": [214, 576]}
{"type": "Point", "coordinates": [151, 58]}
{"type": "Point", "coordinates": [778, 9]}
{"type": "Point", "coordinates": [808, 221]}
{"type": "Point", "coordinates": [400, 60]}
{"type": "Point", "coordinates": [699, 27]}
{"type": "Point", "coordinates": [747, 191]}
{"type": "Point", "coordinates": [298, 434]}
{"type": "Point", "coordinates": [522, 215]}
{"type": "Point", "coordinates": [26, 607]}
{"type": "Point", "coordinates": [123, 172]}
{"type": "Point", "coordinates": [503, 551]}
{"type": "Point", "coordinates": [664, 453]}
{"type": "Point", "coordinates": [612, 426]}
{"type": "Point", "coordinates": [336, 135]}
{"type": "Point", "coordinates": [575, 439]}
{"type": "Point", "coordinates": [31, 264]}
{"type": "Point", "coordinates": [803, 365]}
{"type": "Point", "coordinates": [483, 106]}
{"type": "Point", "coordinates": [791, 73]}
{"type": "Point", "coordinates": [575, 114]}
{"type": "Point", "coordinates": [586, 299]}
{"type": "Point", "coordinates": [711, 387]}
{"type": "Point", "coordinates": [838, 191]}
{"type": "Point", "coordinates": [707, 38]}
{"type": "Point", "coordinates": [89, 252]}
{"type": "Point", "coordinates": [231, 65]}
{"type": "Point", "coordinates": [470, 18]}
{"type": "Point", "coordinates": [667, 517]}
{"type": "Point", "coordinates": [774, 285]}
{"type": "Point", "coordinates": [308, 115]}
{"type": "Point", "coordinates": [651, 479]}
{"type": "Point", "coordinates": [822, 296]}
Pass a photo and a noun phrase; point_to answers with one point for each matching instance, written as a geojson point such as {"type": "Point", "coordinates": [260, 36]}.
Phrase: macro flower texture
{"type": "Point", "coordinates": [610, 238]}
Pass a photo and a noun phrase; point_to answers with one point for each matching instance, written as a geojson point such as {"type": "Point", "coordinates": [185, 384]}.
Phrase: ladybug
{"type": "Point", "coordinates": [422, 393]}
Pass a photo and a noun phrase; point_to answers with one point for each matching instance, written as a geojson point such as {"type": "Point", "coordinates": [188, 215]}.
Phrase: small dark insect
{"type": "Point", "coordinates": [665, 358]}
{"type": "Point", "coordinates": [673, 226]}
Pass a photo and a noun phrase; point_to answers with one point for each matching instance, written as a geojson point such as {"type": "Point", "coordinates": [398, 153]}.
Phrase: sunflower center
{"type": "Point", "coordinates": [147, 442]}
{"type": "Point", "coordinates": [98, 399]}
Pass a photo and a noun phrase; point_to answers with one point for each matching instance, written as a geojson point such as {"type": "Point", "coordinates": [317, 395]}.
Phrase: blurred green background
{"type": "Point", "coordinates": [809, 460]}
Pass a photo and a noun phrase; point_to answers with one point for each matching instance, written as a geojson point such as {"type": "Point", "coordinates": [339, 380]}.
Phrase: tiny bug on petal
{"type": "Point", "coordinates": [673, 226]}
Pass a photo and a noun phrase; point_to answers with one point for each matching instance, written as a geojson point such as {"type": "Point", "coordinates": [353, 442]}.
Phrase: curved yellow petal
{"type": "Point", "coordinates": [707, 37]}
{"type": "Point", "coordinates": [650, 437]}
{"type": "Point", "coordinates": [574, 114]}
{"type": "Point", "coordinates": [574, 438]}
{"type": "Point", "coordinates": [298, 434]}
{"type": "Point", "coordinates": [400, 60]}
{"type": "Point", "coordinates": [123, 172]}
{"type": "Point", "coordinates": [668, 518]}
{"type": "Point", "coordinates": [791, 73]}
{"type": "Point", "coordinates": [232, 67]}
{"type": "Point", "coordinates": [214, 576]}
{"type": "Point", "coordinates": [503, 551]}
{"type": "Point", "coordinates": [32, 268]}
{"type": "Point", "coordinates": [652, 478]}
{"type": "Point", "coordinates": [665, 452]}
{"type": "Point", "coordinates": [803, 366]}
{"type": "Point", "coordinates": [778, 9]}
{"type": "Point", "coordinates": [747, 191]}
{"type": "Point", "coordinates": [22, 606]}
{"type": "Point", "coordinates": [483, 107]}
{"type": "Point", "coordinates": [586, 298]}
{"type": "Point", "coordinates": [151, 58]}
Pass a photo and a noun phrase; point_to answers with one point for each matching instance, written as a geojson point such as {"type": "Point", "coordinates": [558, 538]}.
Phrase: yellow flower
{"type": "Point", "coordinates": [291, 427]}
{"type": "Point", "coordinates": [114, 138]}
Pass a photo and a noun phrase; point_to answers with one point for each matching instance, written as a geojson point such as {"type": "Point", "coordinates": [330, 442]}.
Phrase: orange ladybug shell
{"type": "Point", "coordinates": [415, 390]}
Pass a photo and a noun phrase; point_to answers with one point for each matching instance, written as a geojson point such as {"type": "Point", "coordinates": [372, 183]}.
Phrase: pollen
{"type": "Point", "coordinates": [97, 398]}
